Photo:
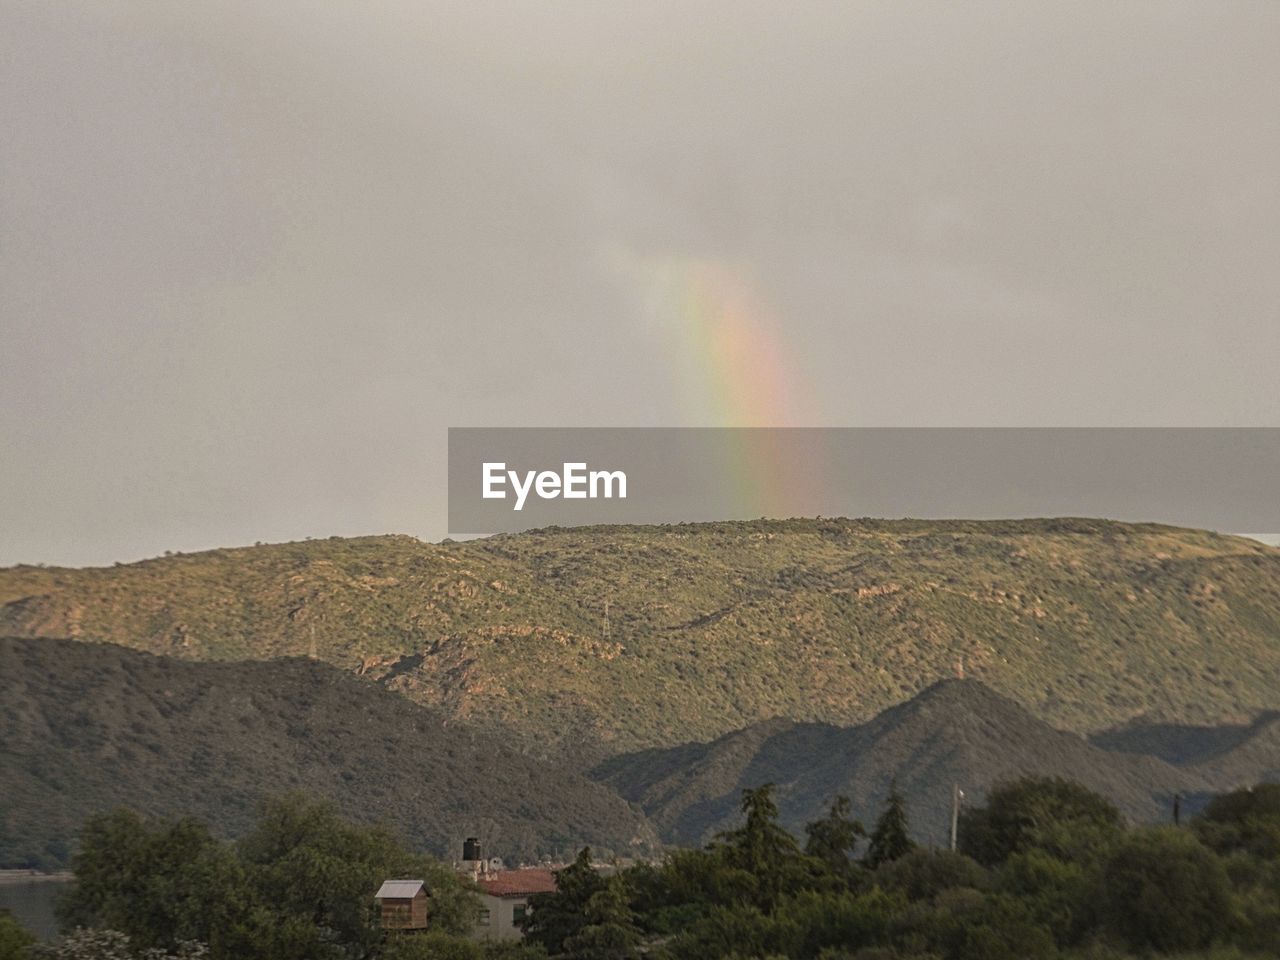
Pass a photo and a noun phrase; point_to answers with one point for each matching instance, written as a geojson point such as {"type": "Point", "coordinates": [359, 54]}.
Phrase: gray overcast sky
{"type": "Point", "coordinates": [256, 257]}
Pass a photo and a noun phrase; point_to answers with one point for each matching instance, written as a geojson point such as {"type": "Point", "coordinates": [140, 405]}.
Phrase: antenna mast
{"type": "Point", "coordinates": [956, 796]}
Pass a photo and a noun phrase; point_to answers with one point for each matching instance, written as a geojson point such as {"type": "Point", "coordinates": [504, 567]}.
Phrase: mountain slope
{"type": "Point", "coordinates": [87, 727]}
{"type": "Point", "coordinates": [1252, 759]}
{"type": "Point", "coordinates": [713, 627]}
{"type": "Point", "coordinates": [1184, 744]}
{"type": "Point", "coordinates": [956, 732]}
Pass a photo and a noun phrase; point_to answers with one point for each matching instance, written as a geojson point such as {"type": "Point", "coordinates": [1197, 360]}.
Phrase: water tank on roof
{"type": "Point", "coordinates": [471, 849]}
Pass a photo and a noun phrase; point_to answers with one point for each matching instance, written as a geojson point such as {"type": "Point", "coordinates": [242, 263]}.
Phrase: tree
{"type": "Point", "coordinates": [157, 883]}
{"type": "Point", "coordinates": [554, 918]}
{"type": "Point", "coordinates": [299, 886]}
{"type": "Point", "coordinates": [1163, 890]}
{"type": "Point", "coordinates": [309, 863]}
{"type": "Point", "coordinates": [834, 838]}
{"type": "Point", "coordinates": [924, 874]}
{"type": "Point", "coordinates": [890, 839]}
{"type": "Point", "coordinates": [610, 932]}
{"type": "Point", "coordinates": [966, 924]}
{"type": "Point", "coordinates": [738, 932]}
{"type": "Point", "coordinates": [1055, 892]}
{"type": "Point", "coordinates": [685, 887]}
{"type": "Point", "coordinates": [1046, 813]}
{"type": "Point", "coordinates": [14, 938]}
{"type": "Point", "coordinates": [1247, 819]}
{"type": "Point", "coordinates": [762, 846]}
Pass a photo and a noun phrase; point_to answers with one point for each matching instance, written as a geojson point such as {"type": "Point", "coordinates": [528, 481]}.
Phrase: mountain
{"type": "Point", "coordinates": [954, 733]}
{"type": "Point", "coordinates": [1245, 752]}
{"type": "Point", "coordinates": [713, 627]}
{"type": "Point", "coordinates": [1253, 759]}
{"type": "Point", "coordinates": [88, 727]}
{"type": "Point", "coordinates": [1185, 744]}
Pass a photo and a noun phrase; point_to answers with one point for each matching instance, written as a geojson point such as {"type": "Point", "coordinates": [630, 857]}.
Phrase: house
{"type": "Point", "coordinates": [402, 905]}
{"type": "Point", "coordinates": [504, 896]}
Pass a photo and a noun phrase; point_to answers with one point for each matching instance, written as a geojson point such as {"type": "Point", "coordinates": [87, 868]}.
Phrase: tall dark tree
{"type": "Point", "coordinates": [890, 838]}
{"type": "Point", "coordinates": [555, 918]}
{"type": "Point", "coordinates": [610, 932]}
{"type": "Point", "coordinates": [762, 846]}
{"type": "Point", "coordinates": [834, 838]}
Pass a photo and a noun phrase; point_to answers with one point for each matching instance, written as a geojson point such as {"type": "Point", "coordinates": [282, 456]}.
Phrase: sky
{"type": "Point", "coordinates": [257, 257]}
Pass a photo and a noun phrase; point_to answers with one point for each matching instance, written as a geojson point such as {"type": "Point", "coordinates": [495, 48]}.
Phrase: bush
{"type": "Point", "coordinates": [14, 938]}
{"type": "Point", "coordinates": [1163, 890]}
{"type": "Point", "coordinates": [923, 874]}
{"type": "Point", "coordinates": [432, 946]}
{"type": "Point", "coordinates": [1047, 813]}
{"type": "Point", "coordinates": [1055, 892]}
{"type": "Point", "coordinates": [968, 925]}
{"type": "Point", "coordinates": [1244, 820]}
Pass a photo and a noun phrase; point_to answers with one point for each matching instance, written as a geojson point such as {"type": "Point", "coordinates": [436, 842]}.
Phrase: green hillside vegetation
{"type": "Point", "coordinates": [713, 627]}
{"type": "Point", "coordinates": [85, 728]}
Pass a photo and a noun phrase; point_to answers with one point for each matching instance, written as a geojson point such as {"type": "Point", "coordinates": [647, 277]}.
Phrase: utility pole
{"type": "Point", "coordinates": [957, 795]}
{"type": "Point", "coordinates": [606, 618]}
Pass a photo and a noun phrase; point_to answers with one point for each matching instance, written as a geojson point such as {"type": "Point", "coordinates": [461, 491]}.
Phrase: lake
{"type": "Point", "coordinates": [31, 903]}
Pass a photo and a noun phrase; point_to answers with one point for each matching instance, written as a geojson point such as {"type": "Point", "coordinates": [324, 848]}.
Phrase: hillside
{"type": "Point", "coordinates": [1187, 744]}
{"type": "Point", "coordinates": [1240, 753]}
{"type": "Point", "coordinates": [1254, 758]}
{"type": "Point", "coordinates": [87, 727]}
{"type": "Point", "coordinates": [713, 627]}
{"type": "Point", "coordinates": [956, 732]}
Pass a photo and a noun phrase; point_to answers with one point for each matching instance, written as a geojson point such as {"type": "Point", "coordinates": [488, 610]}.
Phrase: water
{"type": "Point", "coordinates": [32, 905]}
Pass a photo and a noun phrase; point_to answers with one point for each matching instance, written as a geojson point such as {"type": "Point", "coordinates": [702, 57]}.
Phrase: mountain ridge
{"type": "Point", "coordinates": [713, 627]}
{"type": "Point", "coordinates": [954, 733]}
{"type": "Point", "coordinates": [88, 727]}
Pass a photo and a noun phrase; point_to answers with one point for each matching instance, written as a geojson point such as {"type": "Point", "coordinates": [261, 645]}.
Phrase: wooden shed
{"type": "Point", "coordinates": [402, 904]}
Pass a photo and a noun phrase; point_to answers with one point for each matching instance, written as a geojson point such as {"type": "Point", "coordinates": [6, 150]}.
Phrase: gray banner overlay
{"type": "Point", "coordinates": [1220, 479]}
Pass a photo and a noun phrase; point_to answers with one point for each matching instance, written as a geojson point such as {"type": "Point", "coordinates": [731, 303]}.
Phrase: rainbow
{"type": "Point", "coordinates": [736, 369]}
{"type": "Point", "coordinates": [732, 365]}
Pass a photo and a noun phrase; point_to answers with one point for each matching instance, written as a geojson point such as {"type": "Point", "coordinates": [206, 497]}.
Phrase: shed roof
{"type": "Point", "coordinates": [398, 889]}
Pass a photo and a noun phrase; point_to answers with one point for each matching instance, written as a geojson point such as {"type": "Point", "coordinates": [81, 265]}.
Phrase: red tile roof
{"type": "Point", "coordinates": [519, 883]}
